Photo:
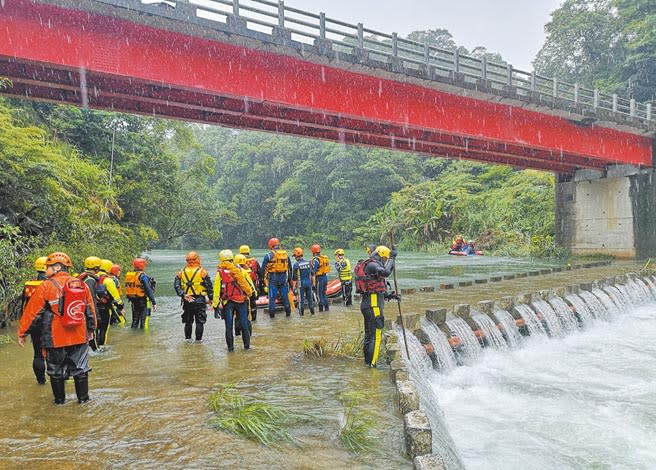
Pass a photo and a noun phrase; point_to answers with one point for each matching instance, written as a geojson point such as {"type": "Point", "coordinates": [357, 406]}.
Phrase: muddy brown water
{"type": "Point", "coordinates": [149, 389]}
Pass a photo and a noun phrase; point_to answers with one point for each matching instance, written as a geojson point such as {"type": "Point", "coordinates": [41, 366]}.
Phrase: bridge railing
{"type": "Point", "coordinates": [276, 19]}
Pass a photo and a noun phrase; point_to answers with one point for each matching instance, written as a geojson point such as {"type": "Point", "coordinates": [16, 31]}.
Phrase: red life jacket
{"type": "Point", "coordinates": [367, 284]}
{"type": "Point", "coordinates": [102, 294]}
{"type": "Point", "coordinates": [230, 289]}
{"type": "Point", "coordinates": [252, 264]}
{"type": "Point", "coordinates": [72, 302]}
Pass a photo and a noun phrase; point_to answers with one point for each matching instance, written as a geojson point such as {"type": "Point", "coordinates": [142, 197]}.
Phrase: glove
{"type": "Point", "coordinates": [219, 314]}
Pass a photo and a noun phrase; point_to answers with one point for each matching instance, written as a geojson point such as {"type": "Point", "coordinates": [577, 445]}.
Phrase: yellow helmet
{"type": "Point", "coordinates": [40, 264]}
{"type": "Point", "coordinates": [245, 250]}
{"type": "Point", "coordinates": [340, 252]}
{"type": "Point", "coordinates": [226, 255]}
{"type": "Point", "coordinates": [92, 262]}
{"type": "Point", "coordinates": [106, 265]}
{"type": "Point", "coordinates": [240, 259]}
{"type": "Point", "coordinates": [383, 251]}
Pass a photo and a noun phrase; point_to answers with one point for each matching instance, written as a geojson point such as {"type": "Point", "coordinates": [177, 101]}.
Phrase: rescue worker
{"type": "Point", "coordinates": [232, 294]}
{"type": "Point", "coordinates": [38, 362]}
{"type": "Point", "coordinates": [115, 274]}
{"type": "Point", "coordinates": [139, 291]}
{"type": "Point", "coordinates": [302, 277]}
{"type": "Point", "coordinates": [320, 269]}
{"type": "Point", "coordinates": [193, 285]}
{"type": "Point", "coordinates": [277, 270]}
{"type": "Point", "coordinates": [370, 283]}
{"type": "Point", "coordinates": [458, 244]}
{"type": "Point", "coordinates": [343, 268]}
{"type": "Point", "coordinates": [108, 299]}
{"type": "Point", "coordinates": [69, 319]}
{"type": "Point", "coordinates": [258, 282]}
{"type": "Point", "coordinates": [90, 276]}
{"type": "Point", "coordinates": [242, 262]}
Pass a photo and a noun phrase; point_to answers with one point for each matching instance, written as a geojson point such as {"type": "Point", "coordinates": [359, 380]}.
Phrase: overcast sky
{"type": "Point", "coordinates": [513, 28]}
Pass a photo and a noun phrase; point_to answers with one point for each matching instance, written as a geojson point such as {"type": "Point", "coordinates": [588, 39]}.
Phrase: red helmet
{"type": "Point", "coordinates": [116, 270]}
{"type": "Point", "coordinates": [273, 242]}
{"type": "Point", "coordinates": [298, 252]}
{"type": "Point", "coordinates": [59, 257]}
{"type": "Point", "coordinates": [139, 264]}
{"type": "Point", "coordinates": [315, 249]}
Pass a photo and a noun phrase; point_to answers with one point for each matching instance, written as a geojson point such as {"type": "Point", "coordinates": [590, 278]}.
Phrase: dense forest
{"type": "Point", "coordinates": [109, 184]}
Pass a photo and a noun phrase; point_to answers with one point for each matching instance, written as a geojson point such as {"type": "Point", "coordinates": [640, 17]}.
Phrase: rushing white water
{"type": "Point", "coordinates": [583, 401]}
{"type": "Point", "coordinates": [533, 323]}
{"type": "Point", "coordinates": [445, 358]}
{"type": "Point", "coordinates": [470, 347]}
{"type": "Point", "coordinates": [552, 321]}
{"type": "Point", "coordinates": [511, 332]}
{"type": "Point", "coordinates": [493, 336]}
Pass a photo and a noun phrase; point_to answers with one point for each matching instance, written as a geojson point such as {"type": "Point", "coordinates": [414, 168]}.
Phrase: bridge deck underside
{"type": "Point", "coordinates": [67, 56]}
{"type": "Point", "coordinates": [45, 83]}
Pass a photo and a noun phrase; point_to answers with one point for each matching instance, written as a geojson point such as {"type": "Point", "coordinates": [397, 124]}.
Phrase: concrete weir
{"type": "Point", "coordinates": [419, 437]}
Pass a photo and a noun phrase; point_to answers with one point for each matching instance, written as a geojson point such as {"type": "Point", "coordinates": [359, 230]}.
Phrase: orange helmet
{"type": "Point", "coordinates": [116, 270]}
{"type": "Point", "coordinates": [298, 252]}
{"type": "Point", "coordinates": [315, 249]}
{"type": "Point", "coordinates": [273, 242]}
{"type": "Point", "coordinates": [192, 259]}
{"type": "Point", "coordinates": [59, 257]}
{"type": "Point", "coordinates": [139, 264]}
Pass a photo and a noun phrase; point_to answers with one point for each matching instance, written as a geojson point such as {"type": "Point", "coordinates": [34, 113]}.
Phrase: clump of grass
{"type": "Point", "coordinates": [258, 421]}
{"type": "Point", "coordinates": [356, 427]}
{"type": "Point", "coordinates": [5, 339]}
{"type": "Point", "coordinates": [342, 347]}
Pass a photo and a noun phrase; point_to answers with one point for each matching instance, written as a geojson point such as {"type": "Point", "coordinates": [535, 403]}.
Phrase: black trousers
{"type": "Point", "coordinates": [194, 312]}
{"type": "Point", "coordinates": [371, 308]}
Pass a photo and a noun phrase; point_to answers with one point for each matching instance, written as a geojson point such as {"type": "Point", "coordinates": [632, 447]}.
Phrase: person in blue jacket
{"type": "Point", "coordinates": [276, 270]}
{"type": "Point", "coordinates": [302, 277]}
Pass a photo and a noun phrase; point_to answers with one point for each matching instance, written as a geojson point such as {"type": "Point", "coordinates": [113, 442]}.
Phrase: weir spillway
{"type": "Point", "coordinates": [555, 379]}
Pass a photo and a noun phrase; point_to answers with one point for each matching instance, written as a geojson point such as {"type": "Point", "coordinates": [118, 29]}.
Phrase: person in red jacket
{"type": "Point", "coordinates": [66, 342]}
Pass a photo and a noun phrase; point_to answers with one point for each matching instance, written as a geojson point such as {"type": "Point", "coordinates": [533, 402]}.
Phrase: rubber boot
{"type": "Point", "coordinates": [82, 388]}
{"type": "Point", "coordinates": [58, 390]}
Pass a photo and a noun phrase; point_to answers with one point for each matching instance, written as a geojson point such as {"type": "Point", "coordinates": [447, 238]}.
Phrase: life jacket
{"type": "Point", "coordinates": [117, 282]}
{"type": "Point", "coordinates": [102, 294]}
{"type": "Point", "coordinates": [134, 288]}
{"type": "Point", "coordinates": [279, 262]}
{"type": "Point", "coordinates": [72, 306]}
{"type": "Point", "coordinates": [192, 281]}
{"type": "Point", "coordinates": [343, 268]}
{"type": "Point", "coordinates": [91, 280]}
{"type": "Point", "coordinates": [324, 265]}
{"type": "Point", "coordinates": [364, 283]}
{"type": "Point", "coordinates": [253, 266]}
{"type": "Point", "coordinates": [28, 290]}
{"type": "Point", "coordinates": [230, 289]}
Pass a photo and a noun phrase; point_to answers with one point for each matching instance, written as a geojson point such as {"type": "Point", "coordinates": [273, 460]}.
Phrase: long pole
{"type": "Point", "coordinates": [398, 301]}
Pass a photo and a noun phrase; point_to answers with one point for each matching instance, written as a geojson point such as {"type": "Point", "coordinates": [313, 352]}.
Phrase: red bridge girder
{"type": "Point", "coordinates": [62, 55]}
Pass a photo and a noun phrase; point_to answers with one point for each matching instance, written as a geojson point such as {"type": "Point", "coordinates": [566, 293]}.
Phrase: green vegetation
{"type": "Point", "coordinates": [258, 421]}
{"type": "Point", "coordinates": [355, 432]}
{"type": "Point", "coordinates": [342, 347]}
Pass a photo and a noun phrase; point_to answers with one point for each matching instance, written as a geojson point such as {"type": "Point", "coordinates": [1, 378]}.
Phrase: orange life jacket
{"type": "Point", "coordinates": [324, 265]}
{"type": "Point", "coordinates": [279, 263]}
{"type": "Point", "coordinates": [133, 286]}
{"type": "Point", "coordinates": [230, 289]}
{"type": "Point", "coordinates": [28, 290]}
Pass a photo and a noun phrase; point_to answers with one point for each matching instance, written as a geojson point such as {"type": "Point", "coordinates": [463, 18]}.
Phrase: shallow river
{"type": "Point", "coordinates": [149, 390]}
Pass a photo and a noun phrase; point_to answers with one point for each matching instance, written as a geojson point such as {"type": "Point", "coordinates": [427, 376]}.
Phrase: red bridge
{"type": "Point", "coordinates": [165, 60]}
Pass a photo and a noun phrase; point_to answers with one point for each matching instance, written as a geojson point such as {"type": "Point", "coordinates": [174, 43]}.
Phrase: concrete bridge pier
{"type": "Point", "coordinates": [610, 212]}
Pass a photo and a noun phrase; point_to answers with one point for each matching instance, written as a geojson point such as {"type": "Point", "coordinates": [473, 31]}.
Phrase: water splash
{"type": "Point", "coordinates": [510, 329]}
{"type": "Point", "coordinates": [446, 359]}
{"type": "Point", "coordinates": [581, 309]}
{"type": "Point", "coordinates": [549, 317]}
{"type": "Point", "coordinates": [533, 323]}
{"type": "Point", "coordinates": [493, 336]}
{"type": "Point", "coordinates": [470, 348]}
{"type": "Point", "coordinates": [564, 313]}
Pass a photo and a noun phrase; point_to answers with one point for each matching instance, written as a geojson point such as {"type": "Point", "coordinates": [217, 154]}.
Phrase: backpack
{"type": "Point", "coordinates": [72, 302]}
{"type": "Point", "coordinates": [102, 294]}
{"type": "Point", "coordinates": [364, 283]}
